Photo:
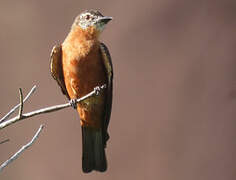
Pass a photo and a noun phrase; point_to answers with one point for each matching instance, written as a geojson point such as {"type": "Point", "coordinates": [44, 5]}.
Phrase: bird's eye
{"type": "Point", "coordinates": [87, 17]}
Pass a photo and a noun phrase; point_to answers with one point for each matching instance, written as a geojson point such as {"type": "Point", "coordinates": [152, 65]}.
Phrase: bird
{"type": "Point", "coordinates": [78, 65]}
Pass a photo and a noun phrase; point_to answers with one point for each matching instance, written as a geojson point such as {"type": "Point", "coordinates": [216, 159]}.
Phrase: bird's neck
{"type": "Point", "coordinates": [89, 34]}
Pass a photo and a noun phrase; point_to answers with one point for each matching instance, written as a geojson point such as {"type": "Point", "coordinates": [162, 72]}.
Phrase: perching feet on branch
{"type": "Point", "coordinates": [98, 89]}
{"type": "Point", "coordinates": [73, 103]}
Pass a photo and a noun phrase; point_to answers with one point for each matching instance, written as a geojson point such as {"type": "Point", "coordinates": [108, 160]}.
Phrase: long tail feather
{"type": "Point", "coordinates": [94, 157]}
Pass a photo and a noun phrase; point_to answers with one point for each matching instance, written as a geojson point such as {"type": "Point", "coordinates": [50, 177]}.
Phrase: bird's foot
{"type": "Point", "coordinates": [73, 103]}
{"type": "Point", "coordinates": [98, 89]}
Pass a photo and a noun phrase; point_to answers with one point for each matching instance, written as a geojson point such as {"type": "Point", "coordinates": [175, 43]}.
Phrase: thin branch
{"type": "Point", "coordinates": [4, 141]}
{"type": "Point", "coordinates": [21, 103]}
{"type": "Point", "coordinates": [96, 91]}
{"type": "Point", "coordinates": [4, 123]}
{"type": "Point", "coordinates": [18, 105]}
{"type": "Point", "coordinates": [22, 149]}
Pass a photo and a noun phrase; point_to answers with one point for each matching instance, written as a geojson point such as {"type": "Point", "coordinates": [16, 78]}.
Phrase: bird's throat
{"type": "Point", "coordinates": [82, 41]}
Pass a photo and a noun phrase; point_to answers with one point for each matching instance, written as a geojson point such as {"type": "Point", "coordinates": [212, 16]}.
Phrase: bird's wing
{"type": "Point", "coordinates": [56, 68]}
{"type": "Point", "coordinates": [109, 70]}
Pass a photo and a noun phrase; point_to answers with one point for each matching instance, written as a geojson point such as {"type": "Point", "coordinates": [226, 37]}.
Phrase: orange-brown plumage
{"type": "Point", "coordinates": [79, 65]}
{"type": "Point", "coordinates": [83, 70]}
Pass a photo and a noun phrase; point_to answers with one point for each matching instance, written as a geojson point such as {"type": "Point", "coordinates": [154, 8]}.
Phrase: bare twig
{"type": "Point", "coordinates": [21, 103]}
{"type": "Point", "coordinates": [4, 141]}
{"type": "Point", "coordinates": [22, 149]}
{"type": "Point", "coordinates": [4, 124]}
{"type": "Point", "coordinates": [18, 105]}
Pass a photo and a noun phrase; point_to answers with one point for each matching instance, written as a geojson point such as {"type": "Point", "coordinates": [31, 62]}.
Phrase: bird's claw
{"type": "Point", "coordinates": [73, 103]}
{"type": "Point", "coordinates": [97, 90]}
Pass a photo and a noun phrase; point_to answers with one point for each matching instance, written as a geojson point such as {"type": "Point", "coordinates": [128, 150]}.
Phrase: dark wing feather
{"type": "Point", "coordinates": [56, 68]}
{"type": "Point", "coordinates": [109, 70]}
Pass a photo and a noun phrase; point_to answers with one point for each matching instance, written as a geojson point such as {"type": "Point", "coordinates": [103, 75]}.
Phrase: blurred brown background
{"type": "Point", "coordinates": [174, 110]}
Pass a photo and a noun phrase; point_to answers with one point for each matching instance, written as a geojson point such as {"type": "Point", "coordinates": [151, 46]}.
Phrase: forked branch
{"type": "Point", "coordinates": [22, 116]}
{"type": "Point", "coordinates": [17, 106]}
{"type": "Point", "coordinates": [4, 122]}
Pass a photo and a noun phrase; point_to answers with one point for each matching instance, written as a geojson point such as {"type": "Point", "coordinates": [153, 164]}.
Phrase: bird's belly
{"type": "Point", "coordinates": [85, 74]}
{"type": "Point", "coordinates": [81, 76]}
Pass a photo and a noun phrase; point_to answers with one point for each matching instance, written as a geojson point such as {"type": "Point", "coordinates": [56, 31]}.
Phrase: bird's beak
{"type": "Point", "coordinates": [104, 19]}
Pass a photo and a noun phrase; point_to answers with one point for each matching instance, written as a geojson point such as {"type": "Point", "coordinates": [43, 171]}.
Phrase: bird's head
{"type": "Point", "coordinates": [91, 19]}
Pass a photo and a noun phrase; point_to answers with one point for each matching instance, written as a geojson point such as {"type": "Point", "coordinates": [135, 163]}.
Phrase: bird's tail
{"type": "Point", "coordinates": [94, 157]}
